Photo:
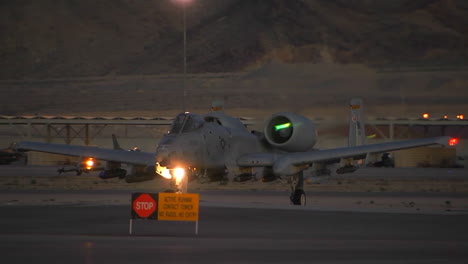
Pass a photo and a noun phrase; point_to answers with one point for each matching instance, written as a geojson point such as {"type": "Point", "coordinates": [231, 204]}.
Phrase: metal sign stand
{"type": "Point", "coordinates": [131, 226]}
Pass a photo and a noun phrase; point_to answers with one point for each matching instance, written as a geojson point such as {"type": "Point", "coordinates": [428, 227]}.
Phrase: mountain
{"type": "Point", "coordinates": [75, 38]}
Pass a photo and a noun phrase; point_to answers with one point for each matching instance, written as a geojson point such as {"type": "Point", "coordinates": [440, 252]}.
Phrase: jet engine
{"type": "Point", "coordinates": [290, 132]}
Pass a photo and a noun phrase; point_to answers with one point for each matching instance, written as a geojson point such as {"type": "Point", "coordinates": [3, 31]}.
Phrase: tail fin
{"type": "Point", "coordinates": [115, 142]}
{"type": "Point", "coordinates": [357, 129]}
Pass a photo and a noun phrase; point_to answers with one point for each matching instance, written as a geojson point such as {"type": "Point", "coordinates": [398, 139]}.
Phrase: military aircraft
{"type": "Point", "coordinates": [215, 144]}
{"type": "Point", "coordinates": [9, 155]}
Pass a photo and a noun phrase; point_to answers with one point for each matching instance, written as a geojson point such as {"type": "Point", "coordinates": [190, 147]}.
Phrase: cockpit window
{"type": "Point", "coordinates": [186, 122]}
{"type": "Point", "coordinates": [211, 119]}
{"type": "Point", "coordinates": [178, 123]}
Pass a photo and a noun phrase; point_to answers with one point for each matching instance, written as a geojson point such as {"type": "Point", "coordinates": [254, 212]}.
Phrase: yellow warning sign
{"type": "Point", "coordinates": [178, 206]}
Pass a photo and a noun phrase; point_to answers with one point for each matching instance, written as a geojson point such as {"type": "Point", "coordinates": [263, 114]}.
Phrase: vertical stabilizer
{"type": "Point", "coordinates": [357, 130]}
{"type": "Point", "coordinates": [115, 142]}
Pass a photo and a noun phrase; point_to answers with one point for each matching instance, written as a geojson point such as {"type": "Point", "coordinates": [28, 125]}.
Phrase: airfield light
{"type": "Point", "coordinates": [425, 115]}
{"type": "Point", "coordinates": [460, 117]}
{"type": "Point", "coordinates": [178, 174]}
{"type": "Point", "coordinates": [453, 141]}
{"type": "Point", "coordinates": [282, 126]}
{"type": "Point", "coordinates": [445, 116]}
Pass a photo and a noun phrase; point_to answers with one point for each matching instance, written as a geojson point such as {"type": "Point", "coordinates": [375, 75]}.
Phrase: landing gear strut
{"type": "Point", "coordinates": [298, 196]}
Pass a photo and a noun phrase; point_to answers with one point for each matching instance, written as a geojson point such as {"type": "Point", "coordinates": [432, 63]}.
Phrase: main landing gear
{"type": "Point", "coordinates": [298, 196]}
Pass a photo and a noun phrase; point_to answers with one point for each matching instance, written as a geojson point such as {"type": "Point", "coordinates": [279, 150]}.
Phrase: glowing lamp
{"type": "Point", "coordinates": [460, 117]}
{"type": "Point", "coordinates": [453, 141]}
{"type": "Point", "coordinates": [179, 174]}
{"type": "Point", "coordinates": [282, 126]}
{"type": "Point", "coordinates": [89, 163]}
{"type": "Point", "coordinates": [166, 174]}
{"type": "Point", "coordinates": [425, 115]}
{"type": "Point", "coordinates": [445, 116]}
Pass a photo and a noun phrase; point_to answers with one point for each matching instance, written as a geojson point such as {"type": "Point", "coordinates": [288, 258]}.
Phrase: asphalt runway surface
{"type": "Point", "coordinates": [236, 226]}
{"type": "Point", "coordinates": [99, 233]}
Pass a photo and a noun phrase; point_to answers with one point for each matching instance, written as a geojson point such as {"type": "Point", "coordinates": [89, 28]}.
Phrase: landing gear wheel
{"type": "Point", "coordinates": [298, 197]}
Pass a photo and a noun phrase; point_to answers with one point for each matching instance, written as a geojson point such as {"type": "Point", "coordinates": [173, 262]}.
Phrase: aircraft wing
{"type": "Point", "coordinates": [291, 163]}
{"type": "Point", "coordinates": [116, 155]}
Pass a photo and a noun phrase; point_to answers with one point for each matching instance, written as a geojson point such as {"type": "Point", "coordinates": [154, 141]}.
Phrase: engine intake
{"type": "Point", "coordinates": [290, 132]}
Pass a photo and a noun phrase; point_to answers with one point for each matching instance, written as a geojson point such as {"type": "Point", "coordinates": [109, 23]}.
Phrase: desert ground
{"type": "Point", "coordinates": [315, 90]}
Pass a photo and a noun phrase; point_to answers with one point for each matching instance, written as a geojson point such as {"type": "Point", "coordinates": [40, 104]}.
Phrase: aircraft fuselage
{"type": "Point", "coordinates": [213, 141]}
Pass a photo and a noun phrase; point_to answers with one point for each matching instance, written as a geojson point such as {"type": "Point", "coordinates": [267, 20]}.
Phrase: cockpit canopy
{"type": "Point", "coordinates": [186, 122]}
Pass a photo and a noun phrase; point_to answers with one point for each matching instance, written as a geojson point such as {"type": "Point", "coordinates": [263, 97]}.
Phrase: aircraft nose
{"type": "Point", "coordinates": [166, 149]}
{"type": "Point", "coordinates": [162, 155]}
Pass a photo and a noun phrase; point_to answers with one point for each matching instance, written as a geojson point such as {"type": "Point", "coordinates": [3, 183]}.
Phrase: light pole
{"type": "Point", "coordinates": [184, 4]}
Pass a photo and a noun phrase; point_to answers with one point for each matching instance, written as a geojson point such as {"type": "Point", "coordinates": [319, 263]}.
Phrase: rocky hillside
{"type": "Point", "coordinates": [69, 38]}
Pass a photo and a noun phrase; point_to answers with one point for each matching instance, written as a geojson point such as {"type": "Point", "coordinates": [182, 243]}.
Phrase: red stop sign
{"type": "Point", "coordinates": [144, 205]}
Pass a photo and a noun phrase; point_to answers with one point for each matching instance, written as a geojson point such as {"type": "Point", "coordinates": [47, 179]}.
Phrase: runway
{"type": "Point", "coordinates": [229, 232]}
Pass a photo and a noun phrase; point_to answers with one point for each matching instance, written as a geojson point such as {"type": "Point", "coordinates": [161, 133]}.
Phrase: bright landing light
{"type": "Point", "coordinates": [178, 174]}
{"type": "Point", "coordinates": [282, 126]}
{"type": "Point", "coordinates": [166, 174]}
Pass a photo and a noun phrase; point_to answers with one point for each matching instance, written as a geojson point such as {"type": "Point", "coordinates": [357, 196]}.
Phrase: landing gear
{"type": "Point", "coordinates": [214, 175]}
{"type": "Point", "coordinates": [298, 196]}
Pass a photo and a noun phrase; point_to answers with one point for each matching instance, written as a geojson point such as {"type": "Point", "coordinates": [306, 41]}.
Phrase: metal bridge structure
{"type": "Point", "coordinates": [70, 128]}
{"type": "Point", "coordinates": [86, 129]}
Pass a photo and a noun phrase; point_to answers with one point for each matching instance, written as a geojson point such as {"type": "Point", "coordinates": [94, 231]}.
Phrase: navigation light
{"type": "Point", "coordinates": [89, 163]}
{"type": "Point", "coordinates": [453, 141]}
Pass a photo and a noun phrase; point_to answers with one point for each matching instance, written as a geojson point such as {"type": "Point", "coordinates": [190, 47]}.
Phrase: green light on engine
{"type": "Point", "coordinates": [282, 126]}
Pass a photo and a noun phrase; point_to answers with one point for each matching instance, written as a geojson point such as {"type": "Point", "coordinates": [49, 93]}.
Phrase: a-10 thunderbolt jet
{"type": "Point", "coordinates": [214, 144]}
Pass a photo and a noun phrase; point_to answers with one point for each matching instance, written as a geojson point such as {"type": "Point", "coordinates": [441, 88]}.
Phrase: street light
{"type": "Point", "coordinates": [184, 4]}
